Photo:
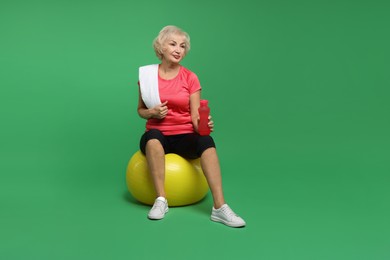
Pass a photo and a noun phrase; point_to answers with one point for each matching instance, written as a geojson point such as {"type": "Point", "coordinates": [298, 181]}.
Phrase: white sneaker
{"type": "Point", "coordinates": [160, 207]}
{"type": "Point", "coordinates": [226, 216]}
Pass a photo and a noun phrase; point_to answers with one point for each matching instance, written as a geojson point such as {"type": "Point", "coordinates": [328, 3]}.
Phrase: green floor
{"type": "Point", "coordinates": [299, 92]}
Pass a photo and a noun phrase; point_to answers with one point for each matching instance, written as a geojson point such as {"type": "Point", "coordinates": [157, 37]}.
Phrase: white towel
{"type": "Point", "coordinates": [148, 81]}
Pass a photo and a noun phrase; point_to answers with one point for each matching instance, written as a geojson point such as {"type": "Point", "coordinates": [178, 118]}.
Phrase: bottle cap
{"type": "Point", "coordinates": [204, 102]}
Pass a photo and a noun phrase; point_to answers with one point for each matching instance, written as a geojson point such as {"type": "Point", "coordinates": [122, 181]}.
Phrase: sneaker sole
{"type": "Point", "coordinates": [158, 217]}
{"type": "Point", "coordinates": [227, 223]}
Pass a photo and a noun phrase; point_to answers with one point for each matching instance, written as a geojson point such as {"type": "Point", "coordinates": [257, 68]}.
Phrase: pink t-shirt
{"type": "Point", "coordinates": [177, 92]}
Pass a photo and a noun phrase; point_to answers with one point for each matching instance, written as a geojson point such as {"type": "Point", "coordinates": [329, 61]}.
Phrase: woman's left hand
{"type": "Point", "coordinates": [211, 124]}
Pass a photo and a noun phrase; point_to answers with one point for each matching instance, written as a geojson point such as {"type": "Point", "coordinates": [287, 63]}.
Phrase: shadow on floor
{"type": "Point", "coordinates": [203, 206]}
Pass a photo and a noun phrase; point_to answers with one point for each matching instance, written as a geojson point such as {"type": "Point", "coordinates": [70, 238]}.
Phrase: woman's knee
{"type": "Point", "coordinates": [152, 139]}
{"type": "Point", "coordinates": [153, 144]}
{"type": "Point", "coordinates": [205, 143]}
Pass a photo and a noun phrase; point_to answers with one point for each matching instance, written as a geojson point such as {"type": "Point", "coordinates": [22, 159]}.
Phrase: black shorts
{"type": "Point", "coordinates": [190, 146]}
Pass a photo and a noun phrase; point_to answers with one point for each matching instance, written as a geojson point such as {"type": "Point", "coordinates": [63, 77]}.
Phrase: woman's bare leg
{"type": "Point", "coordinates": [155, 156]}
{"type": "Point", "coordinates": [212, 171]}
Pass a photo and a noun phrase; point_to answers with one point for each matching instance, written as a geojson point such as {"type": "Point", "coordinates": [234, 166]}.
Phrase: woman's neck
{"type": "Point", "coordinates": [168, 70]}
{"type": "Point", "coordinates": [169, 66]}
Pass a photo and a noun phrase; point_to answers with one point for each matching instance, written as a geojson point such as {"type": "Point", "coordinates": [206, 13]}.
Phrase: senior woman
{"type": "Point", "coordinates": [172, 123]}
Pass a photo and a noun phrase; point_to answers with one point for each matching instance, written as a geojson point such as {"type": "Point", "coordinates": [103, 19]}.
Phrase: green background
{"type": "Point", "coordinates": [299, 92]}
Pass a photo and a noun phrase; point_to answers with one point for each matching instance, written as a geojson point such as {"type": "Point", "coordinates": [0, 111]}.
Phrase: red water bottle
{"type": "Point", "coordinates": [204, 112]}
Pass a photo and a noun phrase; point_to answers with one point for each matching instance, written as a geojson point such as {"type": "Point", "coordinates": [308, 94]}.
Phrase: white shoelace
{"type": "Point", "coordinates": [228, 212]}
{"type": "Point", "coordinates": [160, 205]}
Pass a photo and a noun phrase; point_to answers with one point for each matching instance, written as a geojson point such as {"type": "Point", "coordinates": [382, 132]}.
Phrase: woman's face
{"type": "Point", "coordinates": [174, 48]}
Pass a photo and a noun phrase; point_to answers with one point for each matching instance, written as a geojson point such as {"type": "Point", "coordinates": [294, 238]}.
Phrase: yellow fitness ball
{"type": "Point", "coordinates": [184, 180]}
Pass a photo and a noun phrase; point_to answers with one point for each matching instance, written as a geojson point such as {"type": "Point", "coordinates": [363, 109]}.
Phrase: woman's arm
{"type": "Point", "coordinates": [159, 111]}
{"type": "Point", "coordinates": [194, 106]}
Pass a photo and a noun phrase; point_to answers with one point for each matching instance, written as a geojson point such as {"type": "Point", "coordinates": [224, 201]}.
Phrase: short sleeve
{"type": "Point", "coordinates": [193, 83]}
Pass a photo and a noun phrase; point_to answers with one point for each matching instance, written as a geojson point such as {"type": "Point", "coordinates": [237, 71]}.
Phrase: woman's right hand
{"type": "Point", "coordinates": [160, 111]}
